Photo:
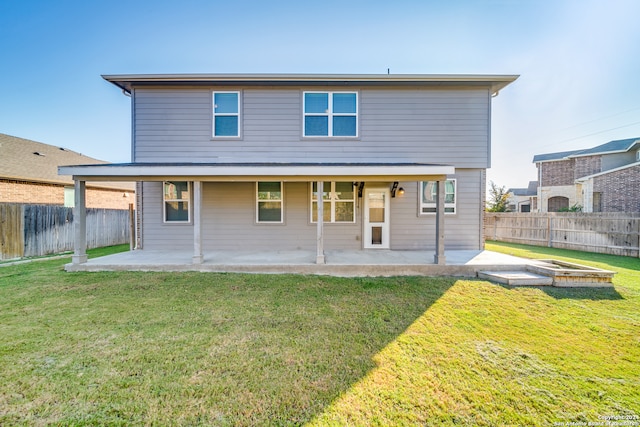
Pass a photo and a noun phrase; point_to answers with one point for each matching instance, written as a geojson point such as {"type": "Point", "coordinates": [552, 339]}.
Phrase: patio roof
{"type": "Point", "coordinates": [257, 171]}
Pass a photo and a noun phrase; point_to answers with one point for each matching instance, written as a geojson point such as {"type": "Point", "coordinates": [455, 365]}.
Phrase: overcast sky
{"type": "Point", "coordinates": [578, 61]}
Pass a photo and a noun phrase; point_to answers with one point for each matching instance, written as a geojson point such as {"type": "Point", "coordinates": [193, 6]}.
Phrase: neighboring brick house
{"type": "Point", "coordinates": [605, 178]}
{"type": "Point", "coordinates": [29, 174]}
{"type": "Point", "coordinates": [523, 199]}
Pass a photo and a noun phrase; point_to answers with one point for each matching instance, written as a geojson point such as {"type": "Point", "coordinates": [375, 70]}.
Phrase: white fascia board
{"type": "Point", "coordinates": [255, 172]}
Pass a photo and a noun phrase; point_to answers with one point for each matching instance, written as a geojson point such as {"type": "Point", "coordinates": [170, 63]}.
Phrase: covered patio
{"type": "Point", "coordinates": [365, 262]}
{"type": "Point", "coordinates": [465, 263]}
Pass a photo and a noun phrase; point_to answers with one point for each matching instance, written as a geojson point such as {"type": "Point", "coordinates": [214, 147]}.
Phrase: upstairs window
{"type": "Point", "coordinates": [226, 114]}
{"type": "Point", "coordinates": [429, 197]}
{"type": "Point", "coordinates": [338, 202]}
{"type": "Point", "coordinates": [331, 114]}
{"type": "Point", "coordinates": [176, 200]}
{"type": "Point", "coordinates": [269, 202]}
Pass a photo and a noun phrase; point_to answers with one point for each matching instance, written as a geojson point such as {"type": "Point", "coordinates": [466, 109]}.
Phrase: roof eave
{"type": "Point", "coordinates": [128, 81]}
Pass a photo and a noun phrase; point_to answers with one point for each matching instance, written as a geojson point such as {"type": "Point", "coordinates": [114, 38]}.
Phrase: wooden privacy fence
{"type": "Point", "coordinates": [35, 230]}
{"type": "Point", "coordinates": [610, 233]}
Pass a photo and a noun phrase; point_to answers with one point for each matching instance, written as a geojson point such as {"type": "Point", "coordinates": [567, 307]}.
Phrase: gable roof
{"type": "Point", "coordinates": [26, 160]}
{"type": "Point", "coordinates": [617, 146]}
{"type": "Point", "coordinates": [127, 81]}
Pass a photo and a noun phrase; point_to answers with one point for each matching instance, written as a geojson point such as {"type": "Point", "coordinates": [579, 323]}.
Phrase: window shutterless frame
{"type": "Point", "coordinates": [226, 119]}
{"type": "Point", "coordinates": [427, 197]}
{"type": "Point", "coordinates": [269, 202]}
{"type": "Point", "coordinates": [339, 202]}
{"type": "Point", "coordinates": [176, 202]}
{"type": "Point", "coordinates": [330, 114]}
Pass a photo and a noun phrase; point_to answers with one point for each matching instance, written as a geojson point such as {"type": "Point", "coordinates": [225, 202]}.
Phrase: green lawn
{"type": "Point", "coordinates": [231, 349]}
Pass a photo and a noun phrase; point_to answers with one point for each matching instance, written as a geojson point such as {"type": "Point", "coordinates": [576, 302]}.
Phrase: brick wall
{"type": "Point", "coordinates": [588, 165]}
{"type": "Point", "coordinates": [557, 173]}
{"type": "Point", "coordinates": [620, 190]}
{"type": "Point", "coordinates": [14, 191]}
{"type": "Point", "coordinates": [109, 199]}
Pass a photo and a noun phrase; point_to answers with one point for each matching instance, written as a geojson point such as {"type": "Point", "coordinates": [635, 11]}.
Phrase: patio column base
{"type": "Point", "coordinates": [78, 259]}
{"type": "Point", "coordinates": [197, 259]}
{"type": "Point", "coordinates": [439, 259]}
{"type": "Point", "coordinates": [320, 259]}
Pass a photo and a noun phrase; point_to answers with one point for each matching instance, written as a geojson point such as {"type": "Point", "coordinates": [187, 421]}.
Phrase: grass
{"type": "Point", "coordinates": [127, 348]}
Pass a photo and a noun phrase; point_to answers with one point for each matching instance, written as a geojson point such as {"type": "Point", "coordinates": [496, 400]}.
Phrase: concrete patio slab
{"type": "Point", "coordinates": [516, 278]}
{"type": "Point", "coordinates": [338, 263]}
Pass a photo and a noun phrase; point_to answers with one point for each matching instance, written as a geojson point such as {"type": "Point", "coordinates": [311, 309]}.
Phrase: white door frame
{"type": "Point", "coordinates": [378, 229]}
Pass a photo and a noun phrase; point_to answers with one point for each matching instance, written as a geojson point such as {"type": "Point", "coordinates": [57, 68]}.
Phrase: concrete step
{"type": "Point", "coordinates": [516, 278]}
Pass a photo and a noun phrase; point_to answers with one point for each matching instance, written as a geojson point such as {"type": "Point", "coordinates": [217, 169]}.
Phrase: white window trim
{"type": "Point", "coordinates": [453, 205]}
{"type": "Point", "coordinates": [332, 200]}
{"type": "Point", "coordinates": [281, 200]}
{"type": "Point", "coordinates": [165, 201]}
{"type": "Point", "coordinates": [330, 114]}
{"type": "Point", "coordinates": [214, 115]}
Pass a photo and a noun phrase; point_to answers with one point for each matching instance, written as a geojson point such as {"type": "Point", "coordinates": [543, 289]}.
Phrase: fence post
{"type": "Point", "coordinates": [131, 227]}
{"type": "Point", "coordinates": [549, 229]}
{"type": "Point", "coordinates": [495, 227]}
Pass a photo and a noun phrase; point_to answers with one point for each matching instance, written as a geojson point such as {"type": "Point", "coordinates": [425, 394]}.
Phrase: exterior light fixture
{"type": "Point", "coordinates": [394, 187]}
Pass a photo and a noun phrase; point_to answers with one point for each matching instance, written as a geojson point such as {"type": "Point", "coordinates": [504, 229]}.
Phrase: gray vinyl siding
{"type": "Point", "coordinates": [612, 161]}
{"type": "Point", "coordinates": [159, 235]}
{"type": "Point", "coordinates": [410, 230]}
{"type": "Point", "coordinates": [229, 222]}
{"type": "Point", "coordinates": [441, 126]}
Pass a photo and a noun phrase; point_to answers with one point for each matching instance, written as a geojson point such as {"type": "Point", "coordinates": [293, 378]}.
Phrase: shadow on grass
{"type": "Point", "coordinates": [593, 294]}
{"type": "Point", "coordinates": [202, 348]}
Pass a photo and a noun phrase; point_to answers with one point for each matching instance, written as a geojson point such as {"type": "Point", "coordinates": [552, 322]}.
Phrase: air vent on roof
{"type": "Point", "coordinates": [38, 153]}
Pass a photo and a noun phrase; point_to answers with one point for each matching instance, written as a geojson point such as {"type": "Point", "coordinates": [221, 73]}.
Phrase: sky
{"type": "Point", "coordinates": [578, 61]}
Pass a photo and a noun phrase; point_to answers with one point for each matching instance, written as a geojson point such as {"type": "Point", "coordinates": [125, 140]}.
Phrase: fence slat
{"type": "Point", "coordinates": [11, 236]}
{"type": "Point", "coordinates": [611, 233]}
{"type": "Point", "coordinates": [36, 230]}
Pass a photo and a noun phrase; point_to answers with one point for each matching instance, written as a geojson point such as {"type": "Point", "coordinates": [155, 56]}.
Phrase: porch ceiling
{"type": "Point", "coordinates": [250, 172]}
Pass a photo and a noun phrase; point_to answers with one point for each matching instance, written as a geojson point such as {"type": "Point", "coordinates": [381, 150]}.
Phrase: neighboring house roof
{"type": "Point", "coordinates": [617, 146]}
{"type": "Point", "coordinates": [495, 82]}
{"type": "Point", "coordinates": [553, 156]}
{"type": "Point", "coordinates": [26, 160]}
{"type": "Point", "coordinates": [531, 190]}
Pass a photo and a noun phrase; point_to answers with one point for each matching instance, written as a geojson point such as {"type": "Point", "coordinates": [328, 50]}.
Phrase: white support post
{"type": "Point", "coordinates": [320, 223]}
{"type": "Point", "coordinates": [80, 223]}
{"type": "Point", "coordinates": [439, 257]}
{"type": "Point", "coordinates": [197, 222]}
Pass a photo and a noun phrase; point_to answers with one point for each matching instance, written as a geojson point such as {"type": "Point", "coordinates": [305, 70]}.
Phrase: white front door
{"type": "Point", "coordinates": [376, 217]}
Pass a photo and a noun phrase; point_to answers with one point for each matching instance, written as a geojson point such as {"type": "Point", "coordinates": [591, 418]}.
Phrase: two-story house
{"type": "Point", "coordinates": [305, 162]}
{"type": "Point", "coordinates": [605, 178]}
